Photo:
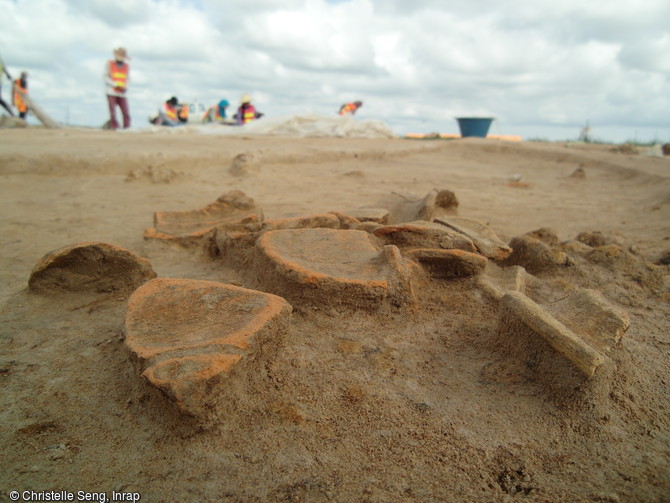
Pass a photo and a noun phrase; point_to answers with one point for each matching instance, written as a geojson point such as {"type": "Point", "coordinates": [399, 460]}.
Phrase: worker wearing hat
{"type": "Point", "coordinates": [116, 83]}
{"type": "Point", "coordinates": [247, 112]}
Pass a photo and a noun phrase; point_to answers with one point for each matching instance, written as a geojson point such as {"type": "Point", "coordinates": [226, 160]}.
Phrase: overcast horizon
{"type": "Point", "coordinates": [544, 69]}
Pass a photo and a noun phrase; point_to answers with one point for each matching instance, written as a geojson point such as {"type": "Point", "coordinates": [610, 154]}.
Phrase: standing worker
{"type": "Point", "coordinates": [3, 71]}
{"type": "Point", "coordinates": [21, 88]}
{"type": "Point", "coordinates": [247, 112]}
{"type": "Point", "coordinates": [350, 108]}
{"type": "Point", "coordinates": [116, 83]}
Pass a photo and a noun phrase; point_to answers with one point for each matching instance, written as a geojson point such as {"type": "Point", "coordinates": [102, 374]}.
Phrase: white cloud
{"type": "Point", "coordinates": [650, 54]}
{"type": "Point", "coordinates": [116, 14]}
{"type": "Point", "coordinates": [416, 65]}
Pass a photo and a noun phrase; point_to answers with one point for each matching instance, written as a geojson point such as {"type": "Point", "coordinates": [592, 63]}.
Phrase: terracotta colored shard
{"type": "Point", "coordinates": [168, 315]}
{"type": "Point", "coordinates": [187, 335]}
{"type": "Point", "coordinates": [231, 208]}
{"type": "Point", "coordinates": [423, 234]}
{"type": "Point", "coordinates": [485, 240]}
{"type": "Point", "coordinates": [447, 264]}
{"type": "Point", "coordinates": [90, 267]}
{"type": "Point", "coordinates": [235, 243]}
{"type": "Point", "coordinates": [331, 266]}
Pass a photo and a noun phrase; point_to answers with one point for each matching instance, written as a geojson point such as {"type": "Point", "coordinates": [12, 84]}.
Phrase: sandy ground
{"type": "Point", "coordinates": [357, 406]}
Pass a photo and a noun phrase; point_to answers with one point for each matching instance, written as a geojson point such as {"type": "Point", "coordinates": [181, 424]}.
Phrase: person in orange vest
{"type": "Point", "coordinates": [216, 113]}
{"type": "Point", "coordinates": [350, 108]}
{"type": "Point", "coordinates": [20, 86]}
{"type": "Point", "coordinates": [116, 84]}
{"type": "Point", "coordinates": [182, 113]}
{"type": "Point", "coordinates": [247, 112]}
{"type": "Point", "coordinates": [170, 114]}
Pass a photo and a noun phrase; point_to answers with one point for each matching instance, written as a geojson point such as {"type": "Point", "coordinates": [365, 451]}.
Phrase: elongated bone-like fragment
{"type": "Point", "coordinates": [562, 339]}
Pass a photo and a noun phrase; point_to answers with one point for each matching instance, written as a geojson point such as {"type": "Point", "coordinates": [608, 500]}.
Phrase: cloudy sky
{"type": "Point", "coordinates": [542, 68]}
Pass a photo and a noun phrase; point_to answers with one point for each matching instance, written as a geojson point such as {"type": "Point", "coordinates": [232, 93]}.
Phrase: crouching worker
{"type": "Point", "coordinates": [350, 108]}
{"type": "Point", "coordinates": [216, 113]}
{"type": "Point", "coordinates": [247, 112]}
{"type": "Point", "coordinates": [171, 114]}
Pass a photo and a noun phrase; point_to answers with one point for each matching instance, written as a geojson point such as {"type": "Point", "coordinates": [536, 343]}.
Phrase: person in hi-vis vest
{"type": "Point", "coordinates": [116, 84]}
{"type": "Point", "coordinates": [350, 108]}
{"type": "Point", "coordinates": [246, 112]}
{"type": "Point", "coordinates": [171, 113]}
{"type": "Point", "coordinates": [20, 88]}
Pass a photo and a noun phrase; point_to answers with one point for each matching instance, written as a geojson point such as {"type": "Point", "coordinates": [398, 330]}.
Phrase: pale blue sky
{"type": "Point", "coordinates": [542, 68]}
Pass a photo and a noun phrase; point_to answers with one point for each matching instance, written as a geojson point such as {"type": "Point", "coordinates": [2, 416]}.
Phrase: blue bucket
{"type": "Point", "coordinates": [474, 126]}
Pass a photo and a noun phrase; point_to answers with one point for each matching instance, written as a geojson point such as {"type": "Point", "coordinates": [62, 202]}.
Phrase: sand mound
{"type": "Point", "coordinates": [297, 126]}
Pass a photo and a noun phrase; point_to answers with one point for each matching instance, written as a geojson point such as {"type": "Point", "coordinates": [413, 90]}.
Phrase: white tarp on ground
{"type": "Point", "coordinates": [297, 126]}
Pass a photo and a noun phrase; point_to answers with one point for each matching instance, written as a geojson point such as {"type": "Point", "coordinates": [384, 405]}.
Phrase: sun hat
{"type": "Point", "coordinates": [121, 52]}
{"type": "Point", "coordinates": [245, 99]}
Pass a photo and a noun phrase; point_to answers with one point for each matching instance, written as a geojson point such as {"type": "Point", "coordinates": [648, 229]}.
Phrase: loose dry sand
{"type": "Point", "coordinates": [356, 406]}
